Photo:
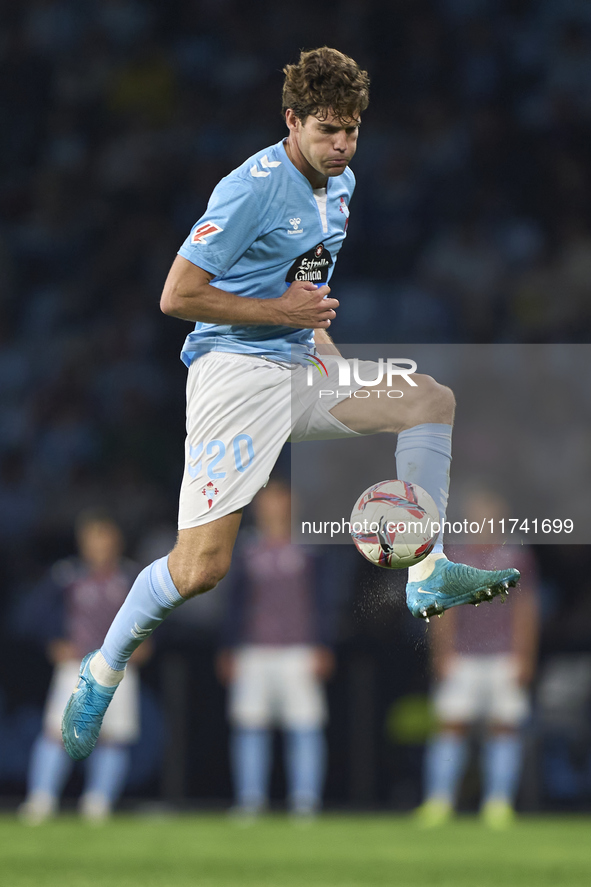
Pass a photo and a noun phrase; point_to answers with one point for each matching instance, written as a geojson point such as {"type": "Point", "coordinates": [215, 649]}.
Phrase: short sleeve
{"type": "Point", "coordinates": [229, 226]}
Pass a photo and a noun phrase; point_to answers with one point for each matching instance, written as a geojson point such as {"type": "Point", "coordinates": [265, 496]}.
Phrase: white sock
{"type": "Point", "coordinates": [423, 569]}
{"type": "Point", "coordinates": [103, 673]}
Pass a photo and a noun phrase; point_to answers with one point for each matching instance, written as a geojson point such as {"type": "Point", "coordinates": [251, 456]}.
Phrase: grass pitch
{"type": "Point", "coordinates": [335, 851]}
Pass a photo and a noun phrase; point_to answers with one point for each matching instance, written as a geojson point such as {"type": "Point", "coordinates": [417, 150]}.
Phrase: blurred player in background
{"type": "Point", "coordinates": [253, 274]}
{"type": "Point", "coordinates": [92, 587]}
{"type": "Point", "coordinates": [482, 668]}
{"type": "Point", "coordinates": [275, 660]}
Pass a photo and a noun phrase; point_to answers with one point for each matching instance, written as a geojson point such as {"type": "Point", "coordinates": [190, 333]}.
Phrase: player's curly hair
{"type": "Point", "coordinates": [325, 79]}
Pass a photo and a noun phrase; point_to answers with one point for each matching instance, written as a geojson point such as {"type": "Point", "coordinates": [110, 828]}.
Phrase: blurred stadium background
{"type": "Point", "coordinates": [471, 223]}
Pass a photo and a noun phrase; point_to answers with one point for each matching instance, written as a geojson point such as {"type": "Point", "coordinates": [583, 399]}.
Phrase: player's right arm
{"type": "Point", "coordinates": [188, 295]}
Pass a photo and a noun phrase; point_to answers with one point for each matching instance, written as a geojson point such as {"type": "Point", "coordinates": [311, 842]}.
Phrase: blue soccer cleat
{"type": "Point", "coordinates": [451, 585]}
{"type": "Point", "coordinates": [84, 713]}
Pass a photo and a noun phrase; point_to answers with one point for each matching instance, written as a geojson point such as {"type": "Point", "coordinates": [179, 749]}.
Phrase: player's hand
{"type": "Point", "coordinates": [304, 306]}
{"type": "Point", "coordinates": [142, 653]}
{"type": "Point", "coordinates": [225, 667]}
{"type": "Point", "coordinates": [323, 663]}
{"type": "Point", "coordinates": [525, 669]}
{"type": "Point", "coordinates": [443, 666]}
{"type": "Point", "coordinates": [60, 650]}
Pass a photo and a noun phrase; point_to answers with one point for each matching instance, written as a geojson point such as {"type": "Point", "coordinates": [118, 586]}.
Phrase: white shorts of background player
{"type": "Point", "coordinates": [482, 687]}
{"type": "Point", "coordinates": [275, 686]}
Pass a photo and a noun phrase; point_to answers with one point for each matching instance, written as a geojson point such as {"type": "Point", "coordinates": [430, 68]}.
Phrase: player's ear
{"type": "Point", "coordinates": [292, 120]}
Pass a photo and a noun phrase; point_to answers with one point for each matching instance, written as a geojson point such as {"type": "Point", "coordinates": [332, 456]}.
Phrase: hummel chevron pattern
{"type": "Point", "coordinates": [267, 165]}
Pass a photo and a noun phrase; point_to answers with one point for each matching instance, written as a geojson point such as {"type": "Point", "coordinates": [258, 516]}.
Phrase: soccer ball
{"type": "Point", "coordinates": [392, 524]}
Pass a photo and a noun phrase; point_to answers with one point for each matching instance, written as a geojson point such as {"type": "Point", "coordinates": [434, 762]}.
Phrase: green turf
{"type": "Point", "coordinates": [336, 851]}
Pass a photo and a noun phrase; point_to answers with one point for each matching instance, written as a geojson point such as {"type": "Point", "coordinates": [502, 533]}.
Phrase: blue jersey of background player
{"type": "Point", "coordinates": [264, 228]}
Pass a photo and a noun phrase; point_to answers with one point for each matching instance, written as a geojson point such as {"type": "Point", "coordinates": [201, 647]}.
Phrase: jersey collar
{"type": "Point", "coordinates": [294, 171]}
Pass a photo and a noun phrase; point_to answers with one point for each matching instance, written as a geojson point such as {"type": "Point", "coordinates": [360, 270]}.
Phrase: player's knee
{"type": "Point", "coordinates": [435, 403]}
{"type": "Point", "coordinates": [444, 403]}
{"type": "Point", "coordinates": [199, 578]}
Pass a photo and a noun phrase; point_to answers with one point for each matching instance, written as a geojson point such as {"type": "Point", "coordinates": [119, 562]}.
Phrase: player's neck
{"type": "Point", "coordinates": [316, 179]}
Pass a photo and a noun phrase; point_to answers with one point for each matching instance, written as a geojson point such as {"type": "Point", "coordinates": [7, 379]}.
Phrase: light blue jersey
{"type": "Point", "coordinates": [263, 228]}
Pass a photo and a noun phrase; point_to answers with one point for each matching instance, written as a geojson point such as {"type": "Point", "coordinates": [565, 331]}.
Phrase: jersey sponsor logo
{"type": "Point", "coordinates": [312, 265]}
{"type": "Point", "coordinates": [295, 226]}
{"type": "Point", "coordinates": [267, 166]}
{"type": "Point", "coordinates": [205, 230]}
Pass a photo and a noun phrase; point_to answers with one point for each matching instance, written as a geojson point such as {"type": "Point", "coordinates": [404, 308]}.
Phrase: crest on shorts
{"type": "Point", "coordinates": [210, 491]}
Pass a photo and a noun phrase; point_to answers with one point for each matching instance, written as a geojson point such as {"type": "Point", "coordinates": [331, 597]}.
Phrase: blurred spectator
{"type": "Point", "coordinates": [274, 660]}
{"type": "Point", "coordinates": [89, 589]}
{"type": "Point", "coordinates": [482, 664]}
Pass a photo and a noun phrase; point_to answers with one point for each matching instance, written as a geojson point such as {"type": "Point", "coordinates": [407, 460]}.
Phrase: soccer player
{"type": "Point", "coordinates": [91, 589]}
{"type": "Point", "coordinates": [275, 659]}
{"type": "Point", "coordinates": [253, 274]}
{"type": "Point", "coordinates": [482, 671]}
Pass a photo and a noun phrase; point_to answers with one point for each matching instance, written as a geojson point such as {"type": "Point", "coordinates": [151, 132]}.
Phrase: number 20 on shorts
{"type": "Point", "coordinates": [214, 454]}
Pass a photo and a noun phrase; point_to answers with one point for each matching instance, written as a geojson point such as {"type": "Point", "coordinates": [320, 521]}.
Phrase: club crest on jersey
{"type": "Point", "coordinates": [205, 230]}
{"type": "Point", "coordinates": [312, 265]}
{"type": "Point", "coordinates": [210, 491]}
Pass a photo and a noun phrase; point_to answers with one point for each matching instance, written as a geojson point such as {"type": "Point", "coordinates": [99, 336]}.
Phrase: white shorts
{"type": "Point", "coordinates": [241, 409]}
{"type": "Point", "coordinates": [122, 718]}
{"type": "Point", "coordinates": [275, 686]}
{"type": "Point", "coordinates": [482, 687]}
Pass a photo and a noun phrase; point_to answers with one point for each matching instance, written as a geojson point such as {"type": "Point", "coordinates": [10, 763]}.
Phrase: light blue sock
{"type": "Point", "coordinates": [106, 771]}
{"type": "Point", "coordinates": [49, 767]}
{"type": "Point", "coordinates": [445, 761]}
{"type": "Point", "coordinates": [423, 457]}
{"type": "Point", "coordinates": [153, 595]}
{"type": "Point", "coordinates": [251, 764]}
{"type": "Point", "coordinates": [502, 767]}
{"type": "Point", "coordinates": [305, 760]}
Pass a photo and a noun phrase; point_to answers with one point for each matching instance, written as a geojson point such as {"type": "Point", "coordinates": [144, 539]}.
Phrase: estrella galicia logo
{"type": "Point", "coordinates": [312, 265]}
